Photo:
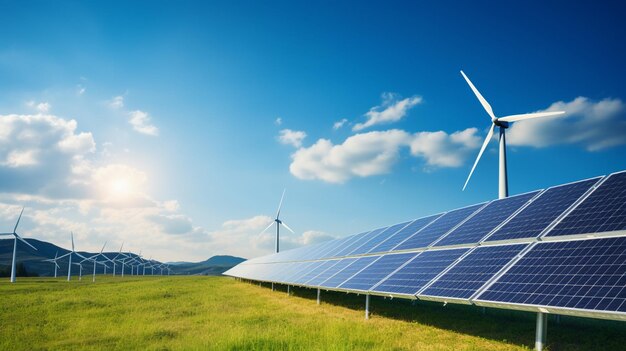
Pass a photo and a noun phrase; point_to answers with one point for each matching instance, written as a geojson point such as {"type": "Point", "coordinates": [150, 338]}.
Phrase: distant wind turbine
{"type": "Point", "coordinates": [94, 258]}
{"type": "Point", "coordinates": [54, 260]}
{"type": "Point", "coordinates": [503, 123]}
{"type": "Point", "coordinates": [16, 238]}
{"type": "Point", "coordinates": [69, 266]}
{"type": "Point", "coordinates": [278, 223]}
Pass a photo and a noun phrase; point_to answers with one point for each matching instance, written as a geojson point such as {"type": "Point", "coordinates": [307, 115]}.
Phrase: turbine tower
{"type": "Point", "coordinates": [278, 223]}
{"type": "Point", "coordinates": [16, 237]}
{"type": "Point", "coordinates": [502, 123]}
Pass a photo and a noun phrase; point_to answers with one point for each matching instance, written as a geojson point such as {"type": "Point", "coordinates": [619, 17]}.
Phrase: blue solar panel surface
{"type": "Point", "coordinates": [417, 273]}
{"type": "Point", "coordinates": [390, 231]}
{"type": "Point", "coordinates": [467, 276]}
{"type": "Point", "coordinates": [313, 272]}
{"type": "Point", "coordinates": [403, 234]}
{"type": "Point", "coordinates": [475, 228]}
{"type": "Point", "coordinates": [360, 241]}
{"type": "Point", "coordinates": [603, 211]}
{"type": "Point", "coordinates": [377, 271]}
{"type": "Point", "coordinates": [435, 230]}
{"type": "Point", "coordinates": [328, 272]}
{"type": "Point", "coordinates": [533, 219]}
{"type": "Point", "coordinates": [342, 244]}
{"type": "Point", "coordinates": [585, 274]}
{"type": "Point", "coordinates": [348, 271]}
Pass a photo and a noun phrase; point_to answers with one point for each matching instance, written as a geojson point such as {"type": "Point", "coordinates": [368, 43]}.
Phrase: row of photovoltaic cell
{"type": "Point", "coordinates": [539, 214]}
{"type": "Point", "coordinates": [374, 241]}
{"type": "Point", "coordinates": [404, 233]}
{"type": "Point", "coordinates": [475, 228]}
{"type": "Point", "coordinates": [603, 211]}
{"type": "Point", "coordinates": [584, 274]}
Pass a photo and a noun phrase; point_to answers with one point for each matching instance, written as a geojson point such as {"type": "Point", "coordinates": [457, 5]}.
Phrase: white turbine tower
{"type": "Point", "coordinates": [16, 237]}
{"type": "Point", "coordinates": [69, 266]}
{"type": "Point", "coordinates": [278, 223]}
{"type": "Point", "coordinates": [502, 123]}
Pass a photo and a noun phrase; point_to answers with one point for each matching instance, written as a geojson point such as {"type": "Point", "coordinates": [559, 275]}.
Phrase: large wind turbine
{"type": "Point", "coordinates": [278, 223]}
{"type": "Point", "coordinates": [503, 123]}
{"type": "Point", "coordinates": [16, 237]}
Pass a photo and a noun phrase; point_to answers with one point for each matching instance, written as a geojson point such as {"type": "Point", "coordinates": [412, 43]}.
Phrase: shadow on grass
{"type": "Point", "coordinates": [516, 327]}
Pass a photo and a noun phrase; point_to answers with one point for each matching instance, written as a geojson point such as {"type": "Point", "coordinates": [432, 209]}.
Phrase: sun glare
{"type": "Point", "coordinates": [120, 188]}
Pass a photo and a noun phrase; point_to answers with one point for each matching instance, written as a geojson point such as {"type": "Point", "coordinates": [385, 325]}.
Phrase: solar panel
{"type": "Point", "coordinates": [473, 271]}
{"type": "Point", "coordinates": [603, 211]}
{"type": "Point", "coordinates": [390, 231]}
{"type": "Point", "coordinates": [584, 274]}
{"type": "Point", "coordinates": [295, 278]}
{"type": "Point", "coordinates": [537, 216]}
{"type": "Point", "coordinates": [475, 228]}
{"type": "Point", "coordinates": [332, 270]}
{"type": "Point", "coordinates": [299, 268]}
{"type": "Point", "coordinates": [360, 241]}
{"type": "Point", "coordinates": [404, 233]}
{"type": "Point", "coordinates": [435, 230]}
{"type": "Point", "coordinates": [348, 271]}
{"type": "Point", "coordinates": [345, 242]}
{"type": "Point", "coordinates": [413, 276]}
{"type": "Point", "coordinates": [314, 271]}
{"type": "Point", "coordinates": [377, 271]}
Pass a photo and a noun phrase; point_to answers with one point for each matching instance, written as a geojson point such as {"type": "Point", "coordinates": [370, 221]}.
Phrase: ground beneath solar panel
{"type": "Point", "coordinates": [219, 313]}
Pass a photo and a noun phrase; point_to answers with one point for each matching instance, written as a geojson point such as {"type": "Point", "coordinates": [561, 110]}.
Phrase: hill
{"type": "Point", "coordinates": [215, 265]}
{"type": "Point", "coordinates": [31, 260]}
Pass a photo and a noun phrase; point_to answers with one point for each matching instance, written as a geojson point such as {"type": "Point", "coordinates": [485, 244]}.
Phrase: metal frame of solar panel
{"type": "Point", "coordinates": [471, 262]}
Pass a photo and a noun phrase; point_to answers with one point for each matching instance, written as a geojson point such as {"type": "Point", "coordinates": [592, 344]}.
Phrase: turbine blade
{"type": "Point", "coordinates": [266, 228]}
{"type": "Point", "coordinates": [482, 149]}
{"type": "Point", "coordinates": [62, 256]}
{"type": "Point", "coordinates": [72, 236]}
{"type": "Point", "coordinates": [18, 220]}
{"type": "Point", "coordinates": [280, 204]}
{"type": "Point", "coordinates": [56, 264]}
{"type": "Point", "coordinates": [286, 226]}
{"type": "Point", "coordinates": [515, 118]}
{"type": "Point", "coordinates": [482, 100]}
{"type": "Point", "coordinates": [24, 241]}
{"type": "Point", "coordinates": [121, 247]}
{"type": "Point", "coordinates": [81, 256]}
{"type": "Point", "coordinates": [105, 244]}
{"type": "Point", "coordinates": [56, 254]}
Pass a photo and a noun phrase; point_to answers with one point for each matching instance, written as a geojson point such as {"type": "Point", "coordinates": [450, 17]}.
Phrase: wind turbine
{"type": "Point", "coordinates": [94, 258]}
{"type": "Point", "coordinates": [69, 266]}
{"type": "Point", "coordinates": [54, 260]}
{"type": "Point", "coordinates": [502, 123]}
{"type": "Point", "coordinates": [278, 223]}
{"type": "Point", "coordinates": [121, 260]}
{"type": "Point", "coordinates": [16, 237]}
{"type": "Point", "coordinates": [80, 271]}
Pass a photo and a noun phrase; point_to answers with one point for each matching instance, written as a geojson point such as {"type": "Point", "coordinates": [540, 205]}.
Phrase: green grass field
{"type": "Point", "coordinates": [218, 313]}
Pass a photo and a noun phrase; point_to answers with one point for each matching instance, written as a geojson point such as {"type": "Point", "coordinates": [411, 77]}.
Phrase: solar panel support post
{"type": "Point", "coordinates": [503, 188]}
{"type": "Point", "coordinates": [367, 306]}
{"type": "Point", "coordinates": [318, 295]}
{"type": "Point", "coordinates": [542, 329]}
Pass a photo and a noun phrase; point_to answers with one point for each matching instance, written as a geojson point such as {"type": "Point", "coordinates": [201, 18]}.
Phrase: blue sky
{"type": "Point", "coordinates": [176, 147]}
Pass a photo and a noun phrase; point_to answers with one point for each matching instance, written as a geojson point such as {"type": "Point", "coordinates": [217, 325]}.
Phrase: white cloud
{"type": "Point", "coordinates": [80, 90]}
{"type": "Point", "coordinates": [594, 125]}
{"type": "Point", "coordinates": [21, 158]}
{"type": "Point", "coordinates": [337, 125]}
{"type": "Point", "coordinates": [278, 121]}
{"type": "Point", "coordinates": [440, 149]}
{"type": "Point", "coordinates": [291, 137]}
{"type": "Point", "coordinates": [141, 123]}
{"type": "Point", "coordinates": [392, 110]}
{"type": "Point", "coordinates": [42, 107]}
{"type": "Point", "coordinates": [117, 102]}
{"type": "Point", "coordinates": [375, 153]}
{"type": "Point", "coordinates": [360, 155]}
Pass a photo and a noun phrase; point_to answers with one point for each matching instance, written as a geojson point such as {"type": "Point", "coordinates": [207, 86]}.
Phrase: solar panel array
{"type": "Point", "coordinates": [563, 248]}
